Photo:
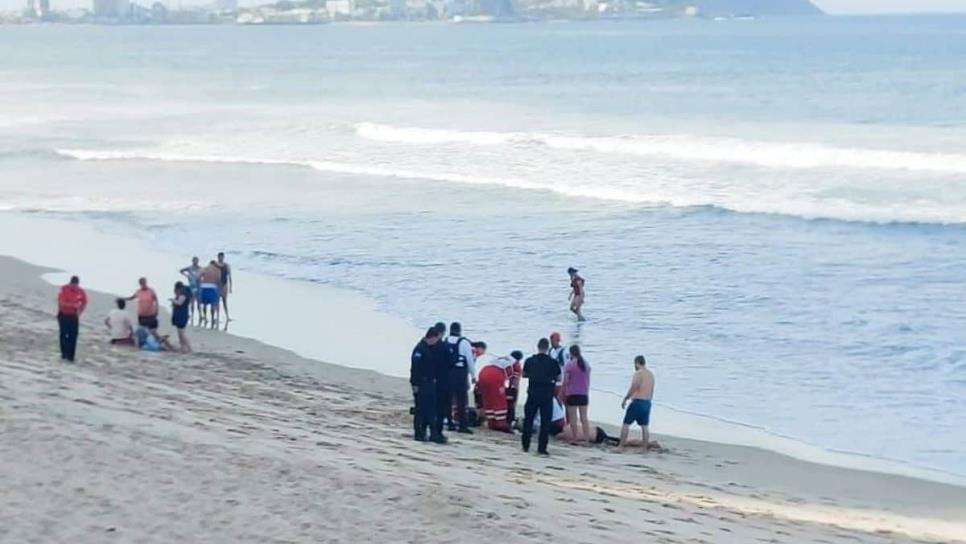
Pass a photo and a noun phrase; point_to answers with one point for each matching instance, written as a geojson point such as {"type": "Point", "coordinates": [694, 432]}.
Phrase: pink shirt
{"type": "Point", "coordinates": [147, 302]}
{"type": "Point", "coordinates": [578, 381]}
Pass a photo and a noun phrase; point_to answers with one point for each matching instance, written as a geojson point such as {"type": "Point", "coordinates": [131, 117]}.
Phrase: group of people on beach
{"type": "Point", "coordinates": [210, 284]}
{"type": "Point", "coordinates": [443, 369]}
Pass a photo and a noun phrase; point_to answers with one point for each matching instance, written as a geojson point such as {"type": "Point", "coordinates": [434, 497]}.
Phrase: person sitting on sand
{"type": "Point", "coordinates": [640, 394]}
{"type": "Point", "coordinates": [180, 305]}
{"type": "Point", "coordinates": [576, 393]}
{"type": "Point", "coordinates": [119, 322]}
{"type": "Point", "coordinates": [493, 383]}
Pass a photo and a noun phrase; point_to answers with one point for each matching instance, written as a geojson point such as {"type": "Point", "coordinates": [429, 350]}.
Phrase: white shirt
{"type": "Point", "coordinates": [558, 414]}
{"type": "Point", "coordinates": [120, 323]}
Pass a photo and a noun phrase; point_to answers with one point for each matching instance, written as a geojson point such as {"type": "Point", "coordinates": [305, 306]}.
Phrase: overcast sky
{"type": "Point", "coordinates": [832, 6]}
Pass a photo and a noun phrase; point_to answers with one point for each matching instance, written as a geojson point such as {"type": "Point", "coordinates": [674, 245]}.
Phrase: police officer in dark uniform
{"type": "Point", "coordinates": [462, 371]}
{"type": "Point", "coordinates": [444, 401]}
{"type": "Point", "coordinates": [542, 373]}
{"type": "Point", "coordinates": [425, 367]}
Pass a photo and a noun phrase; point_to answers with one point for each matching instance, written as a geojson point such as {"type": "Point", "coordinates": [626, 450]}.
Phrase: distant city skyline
{"type": "Point", "coordinates": [891, 6]}
{"type": "Point", "coordinates": [831, 6]}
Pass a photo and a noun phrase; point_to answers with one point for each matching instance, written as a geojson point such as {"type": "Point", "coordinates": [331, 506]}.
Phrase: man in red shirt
{"type": "Point", "coordinates": [71, 302]}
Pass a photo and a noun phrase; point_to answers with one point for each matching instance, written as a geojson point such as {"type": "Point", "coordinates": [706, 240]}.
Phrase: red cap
{"type": "Point", "coordinates": [555, 336]}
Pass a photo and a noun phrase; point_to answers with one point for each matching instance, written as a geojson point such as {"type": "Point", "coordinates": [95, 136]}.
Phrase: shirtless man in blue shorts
{"type": "Point", "coordinates": [639, 394]}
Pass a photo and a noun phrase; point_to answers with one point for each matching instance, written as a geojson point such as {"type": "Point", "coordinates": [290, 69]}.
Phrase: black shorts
{"type": "Point", "coordinates": [577, 400]}
{"type": "Point", "coordinates": [148, 321]}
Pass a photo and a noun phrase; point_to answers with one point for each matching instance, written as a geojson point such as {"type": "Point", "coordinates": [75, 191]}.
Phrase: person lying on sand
{"type": "Point", "coordinates": [150, 340]}
{"type": "Point", "coordinates": [640, 394]}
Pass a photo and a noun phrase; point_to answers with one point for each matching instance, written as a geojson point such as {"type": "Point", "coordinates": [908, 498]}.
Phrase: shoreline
{"type": "Point", "coordinates": [756, 485]}
{"type": "Point", "coordinates": [297, 327]}
{"type": "Point", "coordinates": [56, 241]}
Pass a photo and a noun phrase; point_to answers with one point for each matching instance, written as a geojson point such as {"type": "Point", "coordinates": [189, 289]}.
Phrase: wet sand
{"type": "Point", "coordinates": [244, 442]}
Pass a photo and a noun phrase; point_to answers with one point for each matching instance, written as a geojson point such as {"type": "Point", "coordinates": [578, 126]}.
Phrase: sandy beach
{"type": "Point", "coordinates": [243, 442]}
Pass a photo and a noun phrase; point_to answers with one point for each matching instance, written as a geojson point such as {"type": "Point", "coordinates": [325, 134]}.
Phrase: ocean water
{"type": "Point", "coordinates": [773, 211]}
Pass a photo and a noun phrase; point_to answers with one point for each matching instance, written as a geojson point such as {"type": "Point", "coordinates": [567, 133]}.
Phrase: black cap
{"type": "Point", "coordinates": [455, 328]}
{"type": "Point", "coordinates": [75, 280]}
{"type": "Point", "coordinates": [516, 354]}
{"type": "Point", "coordinates": [571, 270]}
{"type": "Point", "coordinates": [432, 332]}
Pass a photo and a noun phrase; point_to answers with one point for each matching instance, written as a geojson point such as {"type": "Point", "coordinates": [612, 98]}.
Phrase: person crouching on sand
{"type": "Point", "coordinates": [492, 383]}
{"type": "Point", "coordinates": [119, 322]}
{"type": "Point", "coordinates": [640, 394]}
{"type": "Point", "coordinates": [180, 310]}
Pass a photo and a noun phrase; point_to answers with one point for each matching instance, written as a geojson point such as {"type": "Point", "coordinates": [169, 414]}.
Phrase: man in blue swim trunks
{"type": "Point", "coordinates": [639, 394]}
{"type": "Point", "coordinates": [209, 281]}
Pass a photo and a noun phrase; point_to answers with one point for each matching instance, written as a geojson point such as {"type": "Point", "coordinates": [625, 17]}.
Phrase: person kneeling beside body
{"type": "Point", "coordinates": [496, 378]}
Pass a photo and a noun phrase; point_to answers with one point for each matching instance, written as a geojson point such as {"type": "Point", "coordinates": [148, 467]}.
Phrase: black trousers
{"type": "Point", "coordinates": [541, 402]}
{"type": "Point", "coordinates": [426, 407]}
{"type": "Point", "coordinates": [459, 393]}
{"type": "Point", "coordinates": [444, 404]}
{"type": "Point", "coordinates": [511, 404]}
{"type": "Point", "coordinates": [69, 327]}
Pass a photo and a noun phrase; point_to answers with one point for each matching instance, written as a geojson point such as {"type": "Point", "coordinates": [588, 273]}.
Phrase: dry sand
{"type": "Point", "coordinates": [242, 442]}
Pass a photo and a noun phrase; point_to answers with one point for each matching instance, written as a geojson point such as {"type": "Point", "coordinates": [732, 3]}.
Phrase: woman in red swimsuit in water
{"type": "Point", "coordinates": [576, 293]}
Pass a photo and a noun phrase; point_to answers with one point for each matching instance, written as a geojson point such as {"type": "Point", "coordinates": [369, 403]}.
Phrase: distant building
{"type": "Point", "coordinates": [159, 13]}
{"type": "Point", "coordinates": [112, 10]}
{"type": "Point", "coordinates": [498, 8]}
{"type": "Point", "coordinates": [339, 9]}
{"type": "Point", "coordinates": [226, 5]}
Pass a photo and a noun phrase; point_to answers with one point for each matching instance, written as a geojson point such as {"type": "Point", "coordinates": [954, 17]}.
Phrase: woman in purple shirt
{"type": "Point", "coordinates": [576, 390]}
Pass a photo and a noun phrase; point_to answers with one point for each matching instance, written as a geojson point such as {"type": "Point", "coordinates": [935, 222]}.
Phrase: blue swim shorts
{"type": "Point", "coordinates": [639, 411]}
{"type": "Point", "coordinates": [209, 293]}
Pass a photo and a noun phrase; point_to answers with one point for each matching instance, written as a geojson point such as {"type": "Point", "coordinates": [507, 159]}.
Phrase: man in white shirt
{"type": "Point", "coordinates": [119, 323]}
